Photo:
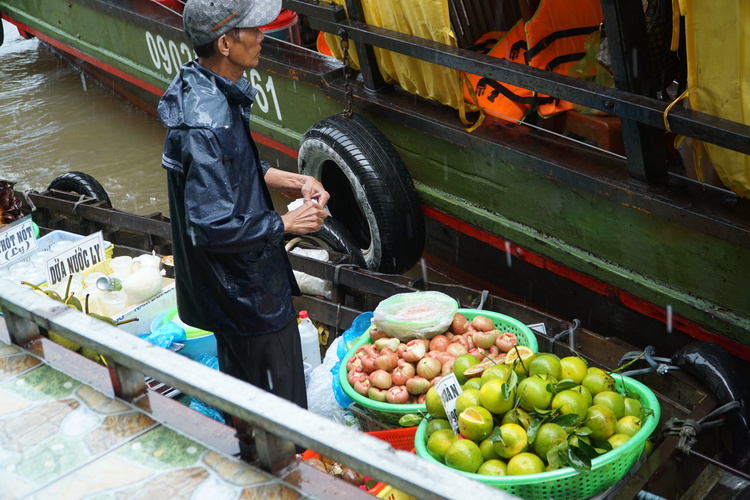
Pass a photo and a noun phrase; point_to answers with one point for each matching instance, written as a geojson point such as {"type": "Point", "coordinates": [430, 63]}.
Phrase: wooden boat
{"type": "Point", "coordinates": [630, 245]}
{"type": "Point", "coordinates": [690, 385]}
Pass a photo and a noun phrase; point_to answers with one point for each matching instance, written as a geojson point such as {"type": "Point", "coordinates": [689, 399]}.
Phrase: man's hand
{"type": "Point", "coordinates": [314, 190]}
{"type": "Point", "coordinates": [305, 219]}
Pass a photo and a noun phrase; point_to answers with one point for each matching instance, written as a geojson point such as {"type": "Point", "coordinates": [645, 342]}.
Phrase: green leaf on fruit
{"type": "Point", "coordinates": [533, 429]}
{"type": "Point", "coordinates": [568, 420]}
{"type": "Point", "coordinates": [496, 436]}
{"type": "Point", "coordinates": [565, 384]}
{"type": "Point", "coordinates": [409, 420]}
{"type": "Point", "coordinates": [579, 459]}
{"type": "Point", "coordinates": [585, 449]}
{"type": "Point", "coordinates": [601, 444]}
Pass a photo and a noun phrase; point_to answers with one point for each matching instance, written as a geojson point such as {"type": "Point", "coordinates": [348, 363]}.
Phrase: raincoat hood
{"type": "Point", "coordinates": [199, 98]}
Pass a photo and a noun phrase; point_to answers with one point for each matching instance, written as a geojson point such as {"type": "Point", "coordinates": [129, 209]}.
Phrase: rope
{"type": "Point", "coordinates": [689, 429]}
{"type": "Point", "coordinates": [80, 200]}
{"type": "Point", "coordinates": [563, 334]}
{"type": "Point", "coordinates": [28, 200]}
{"type": "Point", "coordinates": [657, 365]}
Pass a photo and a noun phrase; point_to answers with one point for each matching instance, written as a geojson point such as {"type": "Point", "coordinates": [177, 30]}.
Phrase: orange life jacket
{"type": "Point", "coordinates": [501, 99]}
{"type": "Point", "coordinates": [554, 40]}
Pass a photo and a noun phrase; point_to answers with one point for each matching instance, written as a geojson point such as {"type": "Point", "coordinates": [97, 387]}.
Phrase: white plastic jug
{"type": "Point", "coordinates": [308, 335]}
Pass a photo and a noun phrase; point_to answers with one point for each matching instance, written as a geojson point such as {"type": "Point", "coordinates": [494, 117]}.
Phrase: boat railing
{"type": "Point", "coordinates": [278, 425]}
{"type": "Point", "coordinates": [644, 117]}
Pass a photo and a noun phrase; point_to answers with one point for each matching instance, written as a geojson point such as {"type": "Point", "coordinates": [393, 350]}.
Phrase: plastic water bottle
{"type": "Point", "coordinates": [308, 335]}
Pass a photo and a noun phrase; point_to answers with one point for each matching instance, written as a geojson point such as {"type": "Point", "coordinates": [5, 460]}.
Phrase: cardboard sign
{"type": "Point", "coordinates": [82, 255]}
{"type": "Point", "coordinates": [448, 389]}
{"type": "Point", "coordinates": [16, 240]}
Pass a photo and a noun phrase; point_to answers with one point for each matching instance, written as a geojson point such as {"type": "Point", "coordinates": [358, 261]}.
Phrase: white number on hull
{"type": "Point", "coordinates": [167, 57]}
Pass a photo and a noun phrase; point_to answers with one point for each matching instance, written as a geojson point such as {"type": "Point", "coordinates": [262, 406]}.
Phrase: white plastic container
{"type": "Point", "coordinates": [308, 335]}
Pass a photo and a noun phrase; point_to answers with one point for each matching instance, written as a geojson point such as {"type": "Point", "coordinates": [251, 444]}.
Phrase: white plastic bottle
{"type": "Point", "coordinates": [308, 335]}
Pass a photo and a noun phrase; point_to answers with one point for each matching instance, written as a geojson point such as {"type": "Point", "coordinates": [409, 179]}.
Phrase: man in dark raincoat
{"type": "Point", "coordinates": [232, 273]}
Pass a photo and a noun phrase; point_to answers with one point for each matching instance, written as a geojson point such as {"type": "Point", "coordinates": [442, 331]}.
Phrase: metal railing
{"type": "Point", "coordinates": [278, 424]}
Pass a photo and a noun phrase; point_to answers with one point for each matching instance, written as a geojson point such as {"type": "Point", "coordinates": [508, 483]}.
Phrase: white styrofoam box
{"type": "Point", "coordinates": [148, 310]}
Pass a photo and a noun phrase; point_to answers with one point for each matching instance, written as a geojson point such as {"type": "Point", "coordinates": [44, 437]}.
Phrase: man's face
{"type": "Point", "coordinates": [245, 48]}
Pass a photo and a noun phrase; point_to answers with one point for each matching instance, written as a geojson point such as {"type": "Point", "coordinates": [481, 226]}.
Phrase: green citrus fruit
{"type": "Point", "coordinates": [535, 392]}
{"type": "Point", "coordinates": [475, 423]}
{"type": "Point", "coordinates": [649, 447]}
{"type": "Point", "coordinates": [617, 440]}
{"type": "Point", "coordinates": [570, 401]}
{"type": "Point", "coordinates": [493, 467]}
{"type": "Point", "coordinates": [472, 383]}
{"type": "Point", "coordinates": [460, 365]}
{"type": "Point", "coordinates": [517, 416]}
{"type": "Point", "coordinates": [487, 448]}
{"type": "Point", "coordinates": [601, 420]}
{"type": "Point", "coordinates": [546, 363]}
{"type": "Point", "coordinates": [633, 407]}
{"type": "Point", "coordinates": [469, 397]}
{"type": "Point", "coordinates": [499, 371]}
{"type": "Point", "coordinates": [548, 436]}
{"type": "Point", "coordinates": [573, 368]}
{"type": "Point", "coordinates": [491, 397]}
{"type": "Point", "coordinates": [628, 425]}
{"type": "Point", "coordinates": [464, 455]}
{"type": "Point", "coordinates": [586, 394]}
{"type": "Point", "coordinates": [439, 442]}
{"type": "Point", "coordinates": [519, 358]}
{"type": "Point", "coordinates": [433, 404]}
{"type": "Point", "coordinates": [514, 440]}
{"type": "Point", "coordinates": [435, 425]}
{"type": "Point", "coordinates": [525, 463]}
{"type": "Point", "coordinates": [613, 400]}
{"type": "Point", "coordinates": [597, 381]}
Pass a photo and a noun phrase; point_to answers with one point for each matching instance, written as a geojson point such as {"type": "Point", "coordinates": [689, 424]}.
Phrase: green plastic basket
{"type": "Point", "coordinates": [568, 483]}
{"type": "Point", "coordinates": [390, 413]}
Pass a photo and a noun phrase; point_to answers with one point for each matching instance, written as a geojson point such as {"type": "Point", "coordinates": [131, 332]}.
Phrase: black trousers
{"type": "Point", "coordinates": [272, 362]}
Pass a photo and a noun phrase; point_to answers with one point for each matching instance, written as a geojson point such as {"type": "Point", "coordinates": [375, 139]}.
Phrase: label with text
{"type": "Point", "coordinates": [84, 254]}
{"type": "Point", "coordinates": [448, 389]}
{"type": "Point", "coordinates": [16, 240]}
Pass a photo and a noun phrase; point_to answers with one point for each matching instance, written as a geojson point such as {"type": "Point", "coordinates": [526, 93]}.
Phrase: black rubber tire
{"type": "Point", "coordinates": [81, 183]}
{"type": "Point", "coordinates": [340, 239]}
{"type": "Point", "coordinates": [372, 194]}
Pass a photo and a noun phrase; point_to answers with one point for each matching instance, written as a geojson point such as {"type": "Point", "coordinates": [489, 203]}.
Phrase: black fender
{"type": "Point", "coordinates": [372, 194]}
{"type": "Point", "coordinates": [2, 34]}
{"type": "Point", "coordinates": [81, 183]}
{"type": "Point", "coordinates": [711, 364]}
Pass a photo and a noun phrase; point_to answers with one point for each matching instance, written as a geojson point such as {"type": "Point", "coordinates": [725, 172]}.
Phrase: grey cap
{"type": "Point", "coordinates": [206, 20]}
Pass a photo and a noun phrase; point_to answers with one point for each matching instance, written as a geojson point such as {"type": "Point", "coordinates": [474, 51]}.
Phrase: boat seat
{"type": "Point", "coordinates": [470, 19]}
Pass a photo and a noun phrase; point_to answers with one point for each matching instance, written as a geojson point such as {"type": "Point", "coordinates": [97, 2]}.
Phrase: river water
{"type": "Point", "coordinates": [54, 121]}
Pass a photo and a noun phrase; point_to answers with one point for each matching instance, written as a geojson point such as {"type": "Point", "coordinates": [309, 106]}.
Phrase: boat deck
{"type": "Point", "coordinates": [61, 438]}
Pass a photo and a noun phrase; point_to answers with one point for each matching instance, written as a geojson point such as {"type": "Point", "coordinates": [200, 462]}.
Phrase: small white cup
{"type": "Point", "coordinates": [121, 265]}
{"type": "Point", "coordinates": [112, 303]}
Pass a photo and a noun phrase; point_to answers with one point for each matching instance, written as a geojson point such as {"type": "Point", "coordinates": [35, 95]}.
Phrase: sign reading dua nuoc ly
{"type": "Point", "coordinates": [16, 240]}
{"type": "Point", "coordinates": [85, 253]}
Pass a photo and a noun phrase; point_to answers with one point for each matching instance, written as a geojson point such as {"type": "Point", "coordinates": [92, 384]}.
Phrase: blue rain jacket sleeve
{"type": "Point", "coordinates": [219, 217]}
